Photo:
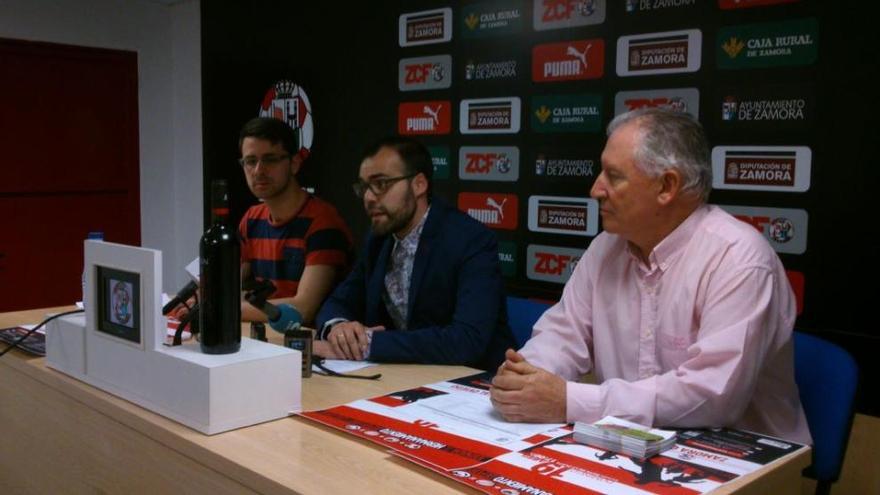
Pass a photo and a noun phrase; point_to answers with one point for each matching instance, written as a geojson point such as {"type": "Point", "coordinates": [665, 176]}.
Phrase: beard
{"type": "Point", "coordinates": [395, 220]}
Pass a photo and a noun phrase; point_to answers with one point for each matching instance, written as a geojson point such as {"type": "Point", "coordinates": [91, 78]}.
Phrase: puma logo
{"type": "Point", "coordinates": [573, 52]}
{"type": "Point", "coordinates": [433, 113]}
{"type": "Point", "coordinates": [491, 203]}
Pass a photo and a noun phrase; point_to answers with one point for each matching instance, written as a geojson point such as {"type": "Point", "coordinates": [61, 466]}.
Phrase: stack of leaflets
{"type": "Point", "coordinates": [34, 344]}
{"type": "Point", "coordinates": [624, 437]}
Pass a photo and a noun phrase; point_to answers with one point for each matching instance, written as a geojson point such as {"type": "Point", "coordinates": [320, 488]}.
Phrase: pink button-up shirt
{"type": "Point", "coordinates": [700, 338]}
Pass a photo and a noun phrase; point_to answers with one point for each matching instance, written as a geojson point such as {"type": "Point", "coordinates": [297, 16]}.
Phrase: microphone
{"type": "Point", "coordinates": [182, 296]}
{"type": "Point", "coordinates": [282, 317]}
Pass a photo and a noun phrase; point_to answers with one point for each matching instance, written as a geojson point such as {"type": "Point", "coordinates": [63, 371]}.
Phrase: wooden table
{"type": "Point", "coordinates": [63, 436]}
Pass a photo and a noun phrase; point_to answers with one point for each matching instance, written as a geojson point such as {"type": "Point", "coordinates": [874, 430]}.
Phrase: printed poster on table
{"type": "Point", "coordinates": [449, 425]}
{"type": "Point", "coordinates": [451, 428]}
{"type": "Point", "coordinates": [701, 462]}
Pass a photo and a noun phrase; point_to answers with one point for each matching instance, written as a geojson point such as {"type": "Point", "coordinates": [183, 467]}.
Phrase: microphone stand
{"type": "Point", "coordinates": [257, 294]}
{"type": "Point", "coordinates": [191, 320]}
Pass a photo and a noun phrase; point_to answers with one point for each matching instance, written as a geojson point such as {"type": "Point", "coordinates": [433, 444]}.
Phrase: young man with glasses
{"type": "Point", "coordinates": [293, 239]}
{"type": "Point", "coordinates": [427, 288]}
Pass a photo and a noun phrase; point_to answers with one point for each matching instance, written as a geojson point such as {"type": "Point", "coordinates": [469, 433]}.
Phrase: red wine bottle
{"type": "Point", "coordinates": [220, 273]}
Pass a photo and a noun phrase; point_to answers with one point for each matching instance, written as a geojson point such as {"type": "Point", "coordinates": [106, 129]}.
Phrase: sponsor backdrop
{"type": "Point", "coordinates": [512, 98]}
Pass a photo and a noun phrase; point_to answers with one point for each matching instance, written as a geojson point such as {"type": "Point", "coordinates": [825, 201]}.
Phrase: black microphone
{"type": "Point", "coordinates": [182, 296]}
{"type": "Point", "coordinates": [191, 320]}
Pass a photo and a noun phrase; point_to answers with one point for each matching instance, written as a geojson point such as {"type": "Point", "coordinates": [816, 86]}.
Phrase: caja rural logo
{"type": "Point", "coordinates": [769, 44]}
{"type": "Point", "coordinates": [492, 18]}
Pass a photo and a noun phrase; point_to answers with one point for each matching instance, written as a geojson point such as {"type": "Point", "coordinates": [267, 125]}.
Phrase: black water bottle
{"type": "Point", "coordinates": [220, 273]}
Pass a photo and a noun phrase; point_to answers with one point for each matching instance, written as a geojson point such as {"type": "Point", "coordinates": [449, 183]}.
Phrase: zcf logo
{"type": "Point", "coordinates": [784, 228]}
{"type": "Point", "coordinates": [498, 211]}
{"type": "Point", "coordinates": [779, 229]}
{"type": "Point", "coordinates": [676, 104]}
{"type": "Point", "coordinates": [679, 99]}
{"type": "Point", "coordinates": [496, 163]}
{"type": "Point", "coordinates": [562, 10]}
{"type": "Point", "coordinates": [424, 73]}
{"type": "Point", "coordinates": [484, 163]}
{"type": "Point", "coordinates": [556, 14]}
{"type": "Point", "coordinates": [551, 263]}
{"type": "Point", "coordinates": [424, 117]}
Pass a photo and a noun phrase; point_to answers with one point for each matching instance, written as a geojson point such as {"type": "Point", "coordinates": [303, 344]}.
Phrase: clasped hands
{"type": "Point", "coordinates": [524, 393]}
{"type": "Point", "coordinates": [346, 340]}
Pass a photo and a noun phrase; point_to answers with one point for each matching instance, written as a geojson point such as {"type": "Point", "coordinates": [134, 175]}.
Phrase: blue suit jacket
{"type": "Point", "coordinates": [457, 311]}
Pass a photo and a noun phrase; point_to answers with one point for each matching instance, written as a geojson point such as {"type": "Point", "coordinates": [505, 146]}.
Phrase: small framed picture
{"type": "Point", "coordinates": [119, 304]}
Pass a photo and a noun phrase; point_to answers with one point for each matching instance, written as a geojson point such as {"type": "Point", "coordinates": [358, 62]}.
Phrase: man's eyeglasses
{"type": "Point", "coordinates": [378, 186]}
{"type": "Point", "coordinates": [251, 162]}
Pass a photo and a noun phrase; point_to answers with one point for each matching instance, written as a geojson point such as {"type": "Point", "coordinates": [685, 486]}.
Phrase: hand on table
{"type": "Point", "coordinates": [524, 393]}
{"type": "Point", "coordinates": [348, 339]}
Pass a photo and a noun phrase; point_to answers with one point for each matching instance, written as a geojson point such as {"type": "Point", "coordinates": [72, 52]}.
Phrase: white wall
{"type": "Point", "coordinates": [187, 138]}
{"type": "Point", "coordinates": [167, 41]}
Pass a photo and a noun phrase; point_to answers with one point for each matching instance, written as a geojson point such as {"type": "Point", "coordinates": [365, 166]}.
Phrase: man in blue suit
{"type": "Point", "coordinates": [427, 288]}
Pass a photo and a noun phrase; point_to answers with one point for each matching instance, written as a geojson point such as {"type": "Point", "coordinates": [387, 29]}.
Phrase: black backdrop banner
{"type": "Point", "coordinates": [512, 97]}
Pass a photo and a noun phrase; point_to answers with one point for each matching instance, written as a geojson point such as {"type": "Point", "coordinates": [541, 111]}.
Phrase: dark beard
{"type": "Point", "coordinates": [397, 222]}
{"type": "Point", "coordinates": [394, 224]}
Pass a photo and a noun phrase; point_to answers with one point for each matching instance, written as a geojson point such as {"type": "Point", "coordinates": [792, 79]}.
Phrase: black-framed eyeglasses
{"type": "Point", "coordinates": [251, 162]}
{"type": "Point", "coordinates": [378, 186]}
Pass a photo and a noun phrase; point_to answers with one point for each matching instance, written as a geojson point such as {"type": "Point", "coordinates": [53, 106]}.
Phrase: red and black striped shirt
{"type": "Point", "coordinates": [317, 235]}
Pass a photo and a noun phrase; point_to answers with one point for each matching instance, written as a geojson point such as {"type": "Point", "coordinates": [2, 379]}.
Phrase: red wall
{"type": "Point", "coordinates": [69, 165]}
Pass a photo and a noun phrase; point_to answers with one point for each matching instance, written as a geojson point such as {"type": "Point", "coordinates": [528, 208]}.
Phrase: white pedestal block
{"type": "Point", "coordinates": [209, 393]}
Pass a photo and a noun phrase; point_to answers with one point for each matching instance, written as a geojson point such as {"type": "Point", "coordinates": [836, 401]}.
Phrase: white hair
{"type": "Point", "coordinates": [666, 140]}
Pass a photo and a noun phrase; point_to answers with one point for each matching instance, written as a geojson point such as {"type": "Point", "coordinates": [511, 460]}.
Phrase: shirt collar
{"type": "Point", "coordinates": [673, 244]}
{"type": "Point", "coordinates": [411, 239]}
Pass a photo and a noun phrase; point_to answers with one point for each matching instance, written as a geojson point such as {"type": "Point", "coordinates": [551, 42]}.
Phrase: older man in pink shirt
{"type": "Point", "coordinates": [683, 312]}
